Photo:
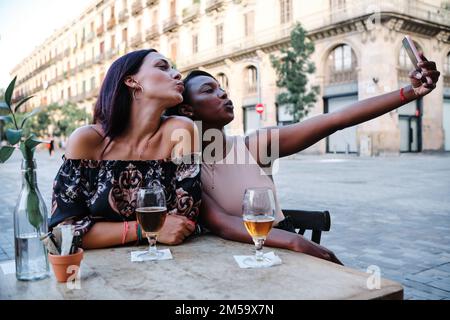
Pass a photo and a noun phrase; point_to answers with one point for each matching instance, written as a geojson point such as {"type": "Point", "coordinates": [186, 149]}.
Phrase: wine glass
{"type": "Point", "coordinates": [258, 213]}
{"type": "Point", "coordinates": [151, 212]}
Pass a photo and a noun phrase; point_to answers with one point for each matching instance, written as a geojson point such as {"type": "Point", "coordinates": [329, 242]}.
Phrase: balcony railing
{"type": "Point", "coordinates": [37, 89]}
{"type": "Point", "coordinates": [136, 40]}
{"type": "Point", "coordinates": [317, 20]}
{"type": "Point", "coordinates": [231, 48]}
{"type": "Point", "coordinates": [99, 58]}
{"type": "Point", "coordinates": [171, 24]}
{"type": "Point", "coordinates": [91, 94]}
{"type": "Point", "coordinates": [136, 7]}
{"type": "Point", "coordinates": [191, 12]}
{"type": "Point", "coordinates": [345, 76]}
{"type": "Point", "coordinates": [73, 71]}
{"type": "Point", "coordinates": [81, 66]}
{"type": "Point", "coordinates": [88, 63]}
{"type": "Point", "coordinates": [123, 15]}
{"type": "Point", "coordinates": [78, 98]}
{"type": "Point", "coordinates": [100, 30]}
{"type": "Point", "coordinates": [150, 3]}
{"type": "Point", "coordinates": [112, 52]}
{"type": "Point", "coordinates": [152, 33]}
{"type": "Point", "coordinates": [353, 9]}
{"type": "Point", "coordinates": [111, 23]}
{"type": "Point", "coordinates": [212, 5]}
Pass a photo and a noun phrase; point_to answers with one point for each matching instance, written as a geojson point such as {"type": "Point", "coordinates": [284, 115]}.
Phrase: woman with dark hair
{"type": "Point", "coordinates": [129, 146]}
{"type": "Point", "coordinates": [225, 178]}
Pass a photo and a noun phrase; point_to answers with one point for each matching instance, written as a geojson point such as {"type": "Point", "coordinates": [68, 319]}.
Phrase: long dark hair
{"type": "Point", "coordinates": [113, 107]}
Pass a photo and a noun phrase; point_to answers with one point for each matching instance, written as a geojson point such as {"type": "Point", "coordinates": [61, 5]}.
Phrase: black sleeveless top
{"type": "Point", "coordinates": [89, 191]}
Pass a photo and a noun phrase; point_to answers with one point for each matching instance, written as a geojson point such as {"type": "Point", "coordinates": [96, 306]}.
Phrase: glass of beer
{"type": "Point", "coordinates": [258, 215]}
{"type": "Point", "coordinates": [151, 212]}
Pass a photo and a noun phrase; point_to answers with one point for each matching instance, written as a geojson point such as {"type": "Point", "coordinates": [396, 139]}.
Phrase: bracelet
{"type": "Point", "coordinates": [138, 233]}
{"type": "Point", "coordinates": [402, 96]}
{"type": "Point", "coordinates": [125, 231]}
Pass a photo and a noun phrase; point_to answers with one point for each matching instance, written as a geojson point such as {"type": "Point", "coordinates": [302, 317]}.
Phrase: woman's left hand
{"type": "Point", "coordinates": [421, 86]}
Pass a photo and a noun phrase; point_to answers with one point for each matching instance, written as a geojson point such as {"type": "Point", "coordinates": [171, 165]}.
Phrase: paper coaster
{"type": "Point", "coordinates": [274, 260]}
{"type": "Point", "coordinates": [167, 255]}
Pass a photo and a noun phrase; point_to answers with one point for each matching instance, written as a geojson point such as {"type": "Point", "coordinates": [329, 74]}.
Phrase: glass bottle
{"type": "Point", "coordinates": [30, 223]}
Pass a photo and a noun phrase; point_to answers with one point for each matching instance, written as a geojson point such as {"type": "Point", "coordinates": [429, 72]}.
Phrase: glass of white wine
{"type": "Point", "coordinates": [258, 213]}
{"type": "Point", "coordinates": [151, 212]}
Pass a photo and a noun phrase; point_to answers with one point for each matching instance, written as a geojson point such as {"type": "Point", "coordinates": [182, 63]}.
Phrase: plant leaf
{"type": "Point", "coordinates": [13, 136]}
{"type": "Point", "coordinates": [28, 146]}
{"type": "Point", "coordinates": [22, 102]}
{"type": "Point", "coordinates": [33, 210]}
{"type": "Point", "coordinates": [7, 119]}
{"type": "Point", "coordinates": [4, 106]}
{"type": "Point", "coordinates": [32, 113]}
{"type": "Point", "coordinates": [5, 153]}
{"type": "Point", "coordinates": [9, 92]}
{"type": "Point", "coordinates": [31, 142]}
{"type": "Point", "coordinates": [26, 152]}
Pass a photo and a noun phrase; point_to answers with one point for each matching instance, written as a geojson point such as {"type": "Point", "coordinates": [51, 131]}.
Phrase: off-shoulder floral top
{"type": "Point", "coordinates": [89, 191]}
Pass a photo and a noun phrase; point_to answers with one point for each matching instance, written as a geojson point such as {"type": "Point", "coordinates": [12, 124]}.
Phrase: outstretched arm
{"type": "Point", "coordinates": [297, 137]}
{"type": "Point", "coordinates": [231, 227]}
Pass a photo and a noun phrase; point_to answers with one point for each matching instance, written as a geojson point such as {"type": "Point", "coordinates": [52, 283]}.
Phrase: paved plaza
{"type": "Point", "coordinates": [389, 212]}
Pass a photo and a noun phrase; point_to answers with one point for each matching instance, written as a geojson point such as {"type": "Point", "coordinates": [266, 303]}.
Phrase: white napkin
{"type": "Point", "coordinates": [167, 255]}
{"type": "Point", "coordinates": [274, 260]}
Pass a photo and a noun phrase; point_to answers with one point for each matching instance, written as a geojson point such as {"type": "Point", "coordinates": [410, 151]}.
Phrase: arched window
{"type": "Point", "coordinates": [223, 81]}
{"type": "Point", "coordinates": [251, 79]}
{"type": "Point", "coordinates": [341, 65]}
{"type": "Point", "coordinates": [285, 11]}
{"type": "Point", "coordinates": [446, 74]}
{"type": "Point", "coordinates": [447, 65]}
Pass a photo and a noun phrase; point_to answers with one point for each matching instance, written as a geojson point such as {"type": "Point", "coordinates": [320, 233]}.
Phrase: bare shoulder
{"type": "Point", "coordinates": [177, 122]}
{"type": "Point", "coordinates": [85, 142]}
{"type": "Point", "coordinates": [183, 134]}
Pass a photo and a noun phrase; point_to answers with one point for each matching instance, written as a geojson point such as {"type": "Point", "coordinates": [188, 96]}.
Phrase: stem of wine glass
{"type": "Point", "coordinates": [152, 243]}
{"type": "Point", "coordinates": [259, 249]}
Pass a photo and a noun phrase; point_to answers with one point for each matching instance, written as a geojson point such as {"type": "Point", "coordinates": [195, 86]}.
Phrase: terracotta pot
{"type": "Point", "coordinates": [61, 265]}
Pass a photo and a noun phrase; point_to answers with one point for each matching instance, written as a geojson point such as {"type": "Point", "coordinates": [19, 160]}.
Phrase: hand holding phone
{"type": "Point", "coordinates": [414, 55]}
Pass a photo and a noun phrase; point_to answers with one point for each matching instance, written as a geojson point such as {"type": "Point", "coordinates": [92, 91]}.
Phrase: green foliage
{"type": "Point", "coordinates": [27, 144]}
{"type": "Point", "coordinates": [58, 120]}
{"type": "Point", "coordinates": [293, 68]}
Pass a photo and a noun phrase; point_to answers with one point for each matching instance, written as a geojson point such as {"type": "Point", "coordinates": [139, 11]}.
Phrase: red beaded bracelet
{"type": "Point", "coordinates": [402, 96]}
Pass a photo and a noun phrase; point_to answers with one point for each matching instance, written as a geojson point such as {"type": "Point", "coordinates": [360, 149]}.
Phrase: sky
{"type": "Point", "coordinates": [25, 24]}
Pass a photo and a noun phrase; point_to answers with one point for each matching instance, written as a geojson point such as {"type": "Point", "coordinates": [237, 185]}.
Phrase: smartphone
{"type": "Point", "coordinates": [413, 54]}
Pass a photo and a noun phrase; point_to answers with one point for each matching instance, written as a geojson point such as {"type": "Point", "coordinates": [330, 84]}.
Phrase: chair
{"type": "Point", "coordinates": [317, 221]}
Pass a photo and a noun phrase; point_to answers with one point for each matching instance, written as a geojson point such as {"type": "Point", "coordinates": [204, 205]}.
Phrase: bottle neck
{"type": "Point", "coordinates": [29, 173]}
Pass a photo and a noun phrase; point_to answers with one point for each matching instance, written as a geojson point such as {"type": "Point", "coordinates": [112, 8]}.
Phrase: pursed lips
{"type": "Point", "coordinates": [228, 104]}
{"type": "Point", "coordinates": [180, 85]}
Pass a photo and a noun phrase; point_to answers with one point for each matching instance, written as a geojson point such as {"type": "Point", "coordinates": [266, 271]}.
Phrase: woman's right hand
{"type": "Point", "coordinates": [315, 250]}
{"type": "Point", "coordinates": [175, 229]}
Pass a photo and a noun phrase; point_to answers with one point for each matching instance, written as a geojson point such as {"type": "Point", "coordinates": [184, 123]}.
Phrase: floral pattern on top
{"type": "Point", "coordinates": [89, 191]}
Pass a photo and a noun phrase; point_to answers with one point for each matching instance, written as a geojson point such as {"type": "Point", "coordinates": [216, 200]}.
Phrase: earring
{"type": "Point", "coordinates": [139, 87]}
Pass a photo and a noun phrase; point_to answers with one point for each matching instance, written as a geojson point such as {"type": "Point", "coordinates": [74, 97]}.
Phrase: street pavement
{"type": "Point", "coordinates": [390, 213]}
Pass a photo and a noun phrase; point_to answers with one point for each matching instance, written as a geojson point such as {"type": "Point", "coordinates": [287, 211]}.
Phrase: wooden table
{"type": "Point", "coordinates": [203, 268]}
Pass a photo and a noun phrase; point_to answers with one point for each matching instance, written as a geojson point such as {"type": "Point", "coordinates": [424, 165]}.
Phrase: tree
{"type": "Point", "coordinates": [293, 68]}
{"type": "Point", "coordinates": [59, 120]}
{"type": "Point", "coordinates": [70, 117]}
